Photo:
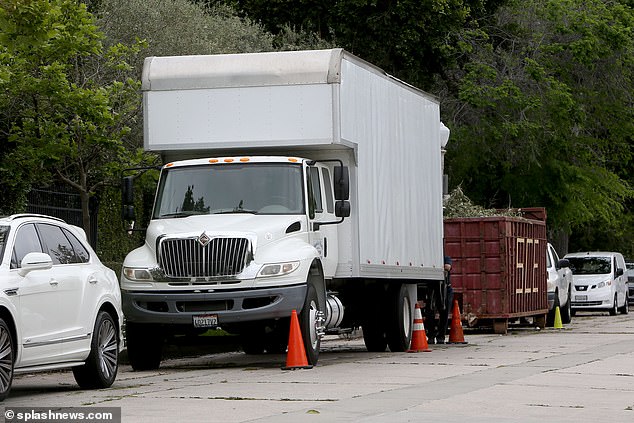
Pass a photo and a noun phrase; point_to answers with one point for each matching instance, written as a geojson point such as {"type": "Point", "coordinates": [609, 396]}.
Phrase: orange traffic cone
{"type": "Point", "coordinates": [455, 333]}
{"type": "Point", "coordinates": [419, 338]}
{"type": "Point", "coordinates": [296, 355]}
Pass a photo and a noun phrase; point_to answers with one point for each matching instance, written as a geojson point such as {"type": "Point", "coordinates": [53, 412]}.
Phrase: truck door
{"type": "Point", "coordinates": [321, 202]}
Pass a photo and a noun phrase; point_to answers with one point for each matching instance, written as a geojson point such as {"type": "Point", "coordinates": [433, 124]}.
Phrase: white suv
{"type": "Point", "coordinates": [60, 307]}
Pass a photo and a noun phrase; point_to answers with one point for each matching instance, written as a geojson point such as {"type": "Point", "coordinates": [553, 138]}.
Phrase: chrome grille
{"type": "Point", "coordinates": [187, 258]}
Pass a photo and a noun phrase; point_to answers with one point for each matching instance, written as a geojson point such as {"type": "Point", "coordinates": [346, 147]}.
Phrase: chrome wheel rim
{"type": "Point", "coordinates": [108, 348]}
{"type": "Point", "coordinates": [6, 360]}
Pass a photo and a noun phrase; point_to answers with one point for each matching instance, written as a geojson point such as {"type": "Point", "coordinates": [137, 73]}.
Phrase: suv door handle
{"type": "Point", "coordinates": [92, 280]}
{"type": "Point", "coordinates": [53, 282]}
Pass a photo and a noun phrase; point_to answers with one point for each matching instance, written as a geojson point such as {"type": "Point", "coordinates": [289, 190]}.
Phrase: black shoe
{"type": "Point", "coordinates": [440, 341]}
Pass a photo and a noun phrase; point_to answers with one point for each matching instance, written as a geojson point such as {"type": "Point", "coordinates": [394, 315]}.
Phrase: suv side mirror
{"type": "Point", "coordinates": [35, 261]}
{"type": "Point", "coordinates": [341, 183]}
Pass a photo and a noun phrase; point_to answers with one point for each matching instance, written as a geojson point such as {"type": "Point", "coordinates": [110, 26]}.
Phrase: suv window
{"type": "Point", "coordinates": [26, 241]}
{"type": "Point", "coordinates": [57, 245]}
{"type": "Point", "coordinates": [82, 255]}
{"type": "Point", "coordinates": [4, 232]}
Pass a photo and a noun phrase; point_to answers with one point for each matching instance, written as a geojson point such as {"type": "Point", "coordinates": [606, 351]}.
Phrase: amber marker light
{"type": "Point", "coordinates": [169, 165]}
{"type": "Point", "coordinates": [228, 160]}
{"type": "Point", "coordinates": [213, 160]}
{"type": "Point", "coordinates": [292, 160]}
{"type": "Point", "coordinates": [244, 159]}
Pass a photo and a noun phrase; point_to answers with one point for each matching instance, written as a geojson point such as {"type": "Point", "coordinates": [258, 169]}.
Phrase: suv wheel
{"type": "Point", "coordinates": [6, 359]}
{"type": "Point", "coordinates": [102, 364]}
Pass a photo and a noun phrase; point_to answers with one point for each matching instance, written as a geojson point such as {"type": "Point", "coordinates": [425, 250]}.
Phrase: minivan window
{"type": "Point", "coordinates": [590, 265]}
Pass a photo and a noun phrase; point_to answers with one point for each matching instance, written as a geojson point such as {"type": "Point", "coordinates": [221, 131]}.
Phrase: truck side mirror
{"type": "Point", "coordinates": [342, 183]}
{"type": "Point", "coordinates": [127, 198]}
{"type": "Point", "coordinates": [342, 208]}
{"type": "Point", "coordinates": [128, 213]}
{"type": "Point", "coordinates": [127, 190]}
{"type": "Point", "coordinates": [619, 272]}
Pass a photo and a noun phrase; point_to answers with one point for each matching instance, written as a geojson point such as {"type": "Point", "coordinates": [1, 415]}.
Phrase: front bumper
{"type": "Point", "coordinates": [598, 301]}
{"type": "Point", "coordinates": [231, 306]}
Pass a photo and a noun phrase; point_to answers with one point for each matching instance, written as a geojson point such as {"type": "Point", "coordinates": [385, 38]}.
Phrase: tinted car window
{"type": "Point", "coordinates": [81, 254]}
{"type": "Point", "coordinates": [26, 241]}
{"type": "Point", "coordinates": [56, 244]}
{"type": "Point", "coordinates": [4, 232]}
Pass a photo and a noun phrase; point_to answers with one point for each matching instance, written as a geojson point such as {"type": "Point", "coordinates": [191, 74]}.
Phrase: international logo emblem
{"type": "Point", "coordinates": [204, 239]}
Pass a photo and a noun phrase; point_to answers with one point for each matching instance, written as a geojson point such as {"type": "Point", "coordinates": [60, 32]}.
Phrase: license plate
{"type": "Point", "coordinates": [581, 298]}
{"type": "Point", "coordinates": [206, 321]}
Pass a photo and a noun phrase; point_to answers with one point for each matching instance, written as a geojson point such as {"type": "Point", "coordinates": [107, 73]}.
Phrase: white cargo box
{"type": "Point", "coordinates": [317, 104]}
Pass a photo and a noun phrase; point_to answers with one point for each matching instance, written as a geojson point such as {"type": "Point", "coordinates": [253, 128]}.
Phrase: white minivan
{"type": "Point", "coordinates": [599, 282]}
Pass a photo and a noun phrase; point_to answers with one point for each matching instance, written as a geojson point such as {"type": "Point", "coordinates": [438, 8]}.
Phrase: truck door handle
{"type": "Point", "coordinates": [53, 282]}
{"type": "Point", "coordinates": [92, 280]}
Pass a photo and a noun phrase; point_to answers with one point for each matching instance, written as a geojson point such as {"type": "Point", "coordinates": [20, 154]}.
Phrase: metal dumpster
{"type": "Point", "coordinates": [499, 268]}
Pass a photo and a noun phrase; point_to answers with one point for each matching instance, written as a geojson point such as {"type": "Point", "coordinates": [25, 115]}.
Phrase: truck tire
{"type": "Point", "coordinates": [374, 336]}
{"type": "Point", "coordinates": [308, 325]}
{"type": "Point", "coordinates": [400, 319]}
{"type": "Point", "coordinates": [7, 359]}
{"type": "Point", "coordinates": [145, 346]}
{"type": "Point", "coordinates": [372, 322]}
{"type": "Point", "coordinates": [102, 363]}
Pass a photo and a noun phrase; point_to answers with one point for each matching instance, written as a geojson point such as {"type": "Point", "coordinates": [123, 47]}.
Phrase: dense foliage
{"type": "Point", "coordinates": [537, 93]}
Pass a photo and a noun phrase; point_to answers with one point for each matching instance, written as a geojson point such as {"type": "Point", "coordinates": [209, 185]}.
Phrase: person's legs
{"type": "Point", "coordinates": [444, 318]}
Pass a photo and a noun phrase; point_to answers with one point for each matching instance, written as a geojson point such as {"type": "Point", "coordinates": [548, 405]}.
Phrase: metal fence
{"type": "Point", "coordinates": [65, 205]}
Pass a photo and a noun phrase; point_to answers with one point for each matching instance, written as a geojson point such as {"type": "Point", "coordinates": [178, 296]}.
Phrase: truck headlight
{"type": "Point", "coordinates": [137, 274]}
{"type": "Point", "coordinates": [278, 269]}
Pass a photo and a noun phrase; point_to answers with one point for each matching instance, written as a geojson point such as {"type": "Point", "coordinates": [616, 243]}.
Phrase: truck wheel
{"type": "Point", "coordinates": [102, 363]}
{"type": "Point", "coordinates": [145, 346]}
{"type": "Point", "coordinates": [308, 323]}
{"type": "Point", "coordinates": [374, 336]}
{"type": "Point", "coordinates": [401, 317]}
{"type": "Point", "coordinates": [6, 359]}
{"type": "Point", "coordinates": [566, 311]}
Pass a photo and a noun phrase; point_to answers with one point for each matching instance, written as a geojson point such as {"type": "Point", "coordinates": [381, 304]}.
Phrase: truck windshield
{"type": "Point", "coordinates": [590, 265]}
{"type": "Point", "coordinates": [258, 188]}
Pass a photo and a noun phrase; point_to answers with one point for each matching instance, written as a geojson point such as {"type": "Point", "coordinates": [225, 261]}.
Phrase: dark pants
{"type": "Point", "coordinates": [436, 329]}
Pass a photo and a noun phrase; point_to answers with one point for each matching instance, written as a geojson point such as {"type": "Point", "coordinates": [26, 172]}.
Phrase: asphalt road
{"type": "Point", "coordinates": [582, 373]}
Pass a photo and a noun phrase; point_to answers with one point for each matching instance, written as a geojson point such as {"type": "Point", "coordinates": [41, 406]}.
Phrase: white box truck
{"type": "Point", "coordinates": [305, 180]}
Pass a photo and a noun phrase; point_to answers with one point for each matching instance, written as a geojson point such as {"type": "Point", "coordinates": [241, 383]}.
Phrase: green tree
{"type": "Point", "coordinates": [411, 39]}
{"type": "Point", "coordinates": [545, 114]}
{"type": "Point", "coordinates": [60, 119]}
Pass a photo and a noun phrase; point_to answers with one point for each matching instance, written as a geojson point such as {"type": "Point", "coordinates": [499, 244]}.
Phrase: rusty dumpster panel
{"type": "Point", "coordinates": [499, 267]}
